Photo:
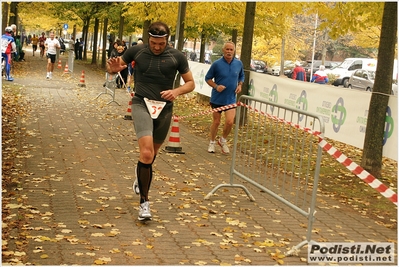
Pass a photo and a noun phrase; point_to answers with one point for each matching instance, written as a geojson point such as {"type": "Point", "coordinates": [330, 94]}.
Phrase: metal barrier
{"type": "Point", "coordinates": [109, 87]}
{"type": "Point", "coordinates": [276, 149]}
{"type": "Point", "coordinates": [71, 57]}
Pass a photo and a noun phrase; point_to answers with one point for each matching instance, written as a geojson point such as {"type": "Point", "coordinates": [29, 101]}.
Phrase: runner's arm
{"type": "Point", "coordinates": [187, 87]}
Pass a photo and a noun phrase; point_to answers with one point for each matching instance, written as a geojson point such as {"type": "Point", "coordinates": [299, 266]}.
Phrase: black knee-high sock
{"type": "Point", "coordinates": [144, 175]}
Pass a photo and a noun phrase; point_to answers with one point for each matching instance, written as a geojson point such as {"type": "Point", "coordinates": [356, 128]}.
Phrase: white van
{"type": "Point", "coordinates": [344, 70]}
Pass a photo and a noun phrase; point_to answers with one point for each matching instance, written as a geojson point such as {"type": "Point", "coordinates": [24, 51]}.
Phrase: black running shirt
{"type": "Point", "coordinates": [155, 73]}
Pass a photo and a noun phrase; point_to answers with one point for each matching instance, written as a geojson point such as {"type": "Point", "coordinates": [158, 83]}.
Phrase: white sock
{"type": "Point", "coordinates": [222, 140]}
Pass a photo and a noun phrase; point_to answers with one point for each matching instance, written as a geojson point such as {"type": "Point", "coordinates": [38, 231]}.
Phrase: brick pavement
{"type": "Point", "coordinates": [79, 158]}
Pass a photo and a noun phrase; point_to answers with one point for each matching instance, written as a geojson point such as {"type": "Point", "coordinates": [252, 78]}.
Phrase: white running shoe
{"type": "Point", "coordinates": [223, 145]}
{"type": "Point", "coordinates": [211, 147]}
{"type": "Point", "coordinates": [144, 211]}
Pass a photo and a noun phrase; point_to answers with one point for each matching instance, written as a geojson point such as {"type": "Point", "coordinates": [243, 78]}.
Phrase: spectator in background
{"type": "Point", "coordinates": [114, 49]}
{"type": "Point", "coordinates": [18, 46]}
{"type": "Point", "coordinates": [81, 45]}
{"type": "Point", "coordinates": [34, 41]}
{"type": "Point", "coordinates": [320, 76]}
{"type": "Point", "coordinates": [7, 48]}
{"type": "Point", "coordinates": [77, 44]}
{"type": "Point", "coordinates": [298, 72]}
{"type": "Point", "coordinates": [207, 58]}
{"type": "Point", "coordinates": [193, 56]}
{"type": "Point", "coordinates": [14, 30]}
{"type": "Point", "coordinates": [110, 48]}
{"type": "Point", "coordinates": [121, 82]}
{"type": "Point", "coordinates": [29, 39]}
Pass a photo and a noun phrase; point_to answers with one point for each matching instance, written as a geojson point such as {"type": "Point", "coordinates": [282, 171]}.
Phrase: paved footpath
{"type": "Point", "coordinates": [79, 156]}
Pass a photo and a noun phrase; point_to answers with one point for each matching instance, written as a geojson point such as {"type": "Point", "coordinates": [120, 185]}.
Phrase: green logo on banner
{"type": "Point", "coordinates": [338, 115]}
{"type": "Point", "coordinates": [251, 88]}
{"type": "Point", "coordinates": [389, 125]}
{"type": "Point", "coordinates": [273, 95]}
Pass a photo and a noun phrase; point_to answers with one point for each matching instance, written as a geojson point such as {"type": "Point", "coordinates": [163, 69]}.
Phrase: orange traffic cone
{"type": "Point", "coordinates": [174, 139]}
{"type": "Point", "coordinates": [66, 70]}
{"type": "Point", "coordinates": [128, 116]}
{"type": "Point", "coordinates": [59, 64]}
{"type": "Point", "coordinates": [82, 79]}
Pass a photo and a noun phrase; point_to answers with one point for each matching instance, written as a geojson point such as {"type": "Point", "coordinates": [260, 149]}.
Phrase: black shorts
{"type": "Point", "coordinates": [213, 106]}
{"type": "Point", "coordinates": [51, 57]}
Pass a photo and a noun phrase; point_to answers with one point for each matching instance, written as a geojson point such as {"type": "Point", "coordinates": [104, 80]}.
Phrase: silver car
{"type": "Point", "coordinates": [362, 79]}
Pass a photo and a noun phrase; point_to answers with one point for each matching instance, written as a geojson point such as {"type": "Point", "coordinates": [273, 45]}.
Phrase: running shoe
{"type": "Point", "coordinates": [223, 145]}
{"type": "Point", "coordinates": [144, 211]}
{"type": "Point", "coordinates": [211, 147]}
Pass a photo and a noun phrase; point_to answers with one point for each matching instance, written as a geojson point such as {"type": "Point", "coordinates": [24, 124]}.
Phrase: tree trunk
{"type": "Point", "coordinates": [180, 34]}
{"type": "Point", "coordinates": [95, 39]}
{"type": "Point", "coordinates": [246, 50]}
{"type": "Point", "coordinates": [234, 34]}
{"type": "Point", "coordinates": [146, 24]}
{"type": "Point", "coordinates": [376, 122]}
{"type": "Point", "coordinates": [104, 56]}
{"type": "Point", "coordinates": [121, 23]}
{"type": "Point", "coordinates": [13, 15]}
{"type": "Point", "coordinates": [5, 6]}
{"type": "Point", "coordinates": [202, 48]}
{"type": "Point", "coordinates": [85, 35]}
{"type": "Point", "coordinates": [282, 56]}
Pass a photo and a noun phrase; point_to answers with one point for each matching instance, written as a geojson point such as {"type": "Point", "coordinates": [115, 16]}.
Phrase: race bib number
{"type": "Point", "coordinates": [154, 107]}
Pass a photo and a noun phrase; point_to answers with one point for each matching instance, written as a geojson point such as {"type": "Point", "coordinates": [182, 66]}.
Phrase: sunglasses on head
{"type": "Point", "coordinates": [157, 34]}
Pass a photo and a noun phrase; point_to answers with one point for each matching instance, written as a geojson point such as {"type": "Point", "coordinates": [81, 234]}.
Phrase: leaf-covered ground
{"type": "Point", "coordinates": [335, 180]}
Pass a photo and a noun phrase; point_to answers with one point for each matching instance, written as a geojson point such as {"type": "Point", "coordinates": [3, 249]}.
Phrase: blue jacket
{"type": "Point", "coordinates": [228, 75]}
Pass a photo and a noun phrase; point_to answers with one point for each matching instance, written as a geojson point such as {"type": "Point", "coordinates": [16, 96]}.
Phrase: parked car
{"type": "Point", "coordinates": [362, 79]}
{"type": "Point", "coordinates": [344, 71]}
{"type": "Point", "coordinates": [275, 69]}
{"type": "Point", "coordinates": [258, 66]}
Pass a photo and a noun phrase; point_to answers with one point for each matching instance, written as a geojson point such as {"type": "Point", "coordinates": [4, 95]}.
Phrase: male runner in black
{"type": "Point", "coordinates": [156, 65]}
